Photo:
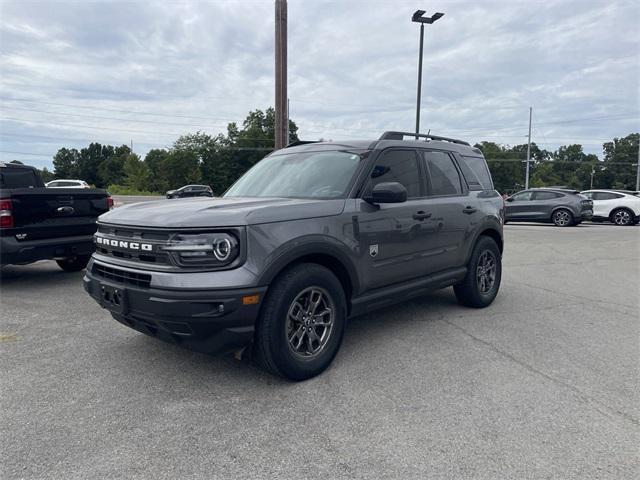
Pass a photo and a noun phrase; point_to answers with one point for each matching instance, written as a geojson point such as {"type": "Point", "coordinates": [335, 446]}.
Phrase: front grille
{"type": "Point", "coordinates": [154, 237]}
{"type": "Point", "coordinates": [122, 276]}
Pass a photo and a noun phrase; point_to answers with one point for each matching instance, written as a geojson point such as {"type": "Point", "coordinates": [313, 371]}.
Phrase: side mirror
{"type": "Point", "coordinates": [508, 199]}
{"type": "Point", "coordinates": [388, 192]}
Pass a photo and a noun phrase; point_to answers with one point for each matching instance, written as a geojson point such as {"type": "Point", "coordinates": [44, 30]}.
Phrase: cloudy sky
{"type": "Point", "coordinates": [73, 72]}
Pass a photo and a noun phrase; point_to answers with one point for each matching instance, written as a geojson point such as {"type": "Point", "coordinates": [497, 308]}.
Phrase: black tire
{"type": "Point", "coordinates": [622, 217]}
{"type": "Point", "coordinates": [471, 292]}
{"type": "Point", "coordinates": [74, 264]}
{"type": "Point", "coordinates": [562, 218]}
{"type": "Point", "coordinates": [277, 328]}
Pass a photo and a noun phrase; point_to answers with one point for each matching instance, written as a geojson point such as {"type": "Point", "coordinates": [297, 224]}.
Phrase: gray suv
{"type": "Point", "coordinates": [313, 234]}
{"type": "Point", "coordinates": [561, 206]}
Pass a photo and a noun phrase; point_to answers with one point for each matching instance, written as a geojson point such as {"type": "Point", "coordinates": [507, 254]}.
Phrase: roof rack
{"type": "Point", "coordinates": [301, 142]}
{"type": "Point", "coordinates": [401, 135]}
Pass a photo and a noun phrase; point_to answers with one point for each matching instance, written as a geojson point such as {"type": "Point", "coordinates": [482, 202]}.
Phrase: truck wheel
{"type": "Point", "coordinates": [74, 264]}
{"type": "Point", "coordinates": [562, 218]}
{"type": "Point", "coordinates": [622, 217]}
{"type": "Point", "coordinates": [484, 272]}
{"type": "Point", "coordinates": [302, 322]}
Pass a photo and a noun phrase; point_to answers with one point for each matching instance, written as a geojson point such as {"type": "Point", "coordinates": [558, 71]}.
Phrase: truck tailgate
{"type": "Point", "coordinates": [47, 213]}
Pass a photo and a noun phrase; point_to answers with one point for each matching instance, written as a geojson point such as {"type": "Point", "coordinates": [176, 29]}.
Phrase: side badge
{"type": "Point", "coordinates": [373, 250]}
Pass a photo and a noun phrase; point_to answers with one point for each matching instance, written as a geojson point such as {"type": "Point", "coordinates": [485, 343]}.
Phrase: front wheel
{"type": "Point", "coordinates": [74, 264]}
{"type": "Point", "coordinates": [302, 322]}
{"type": "Point", "coordinates": [484, 272]}
{"type": "Point", "coordinates": [562, 218]}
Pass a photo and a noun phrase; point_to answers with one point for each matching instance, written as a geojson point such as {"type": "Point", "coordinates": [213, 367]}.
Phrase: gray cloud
{"type": "Point", "coordinates": [148, 71]}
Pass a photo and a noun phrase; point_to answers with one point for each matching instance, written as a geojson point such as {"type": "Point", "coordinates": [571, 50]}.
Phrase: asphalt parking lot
{"type": "Point", "coordinates": [542, 384]}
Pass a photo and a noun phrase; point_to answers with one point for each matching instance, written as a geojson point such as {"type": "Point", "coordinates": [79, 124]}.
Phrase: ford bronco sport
{"type": "Point", "coordinates": [313, 234]}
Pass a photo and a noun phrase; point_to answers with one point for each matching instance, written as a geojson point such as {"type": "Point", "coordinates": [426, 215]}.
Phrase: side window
{"type": "Point", "coordinates": [522, 196]}
{"type": "Point", "coordinates": [398, 166]}
{"type": "Point", "coordinates": [608, 196]}
{"type": "Point", "coordinates": [589, 195]}
{"type": "Point", "coordinates": [53, 184]}
{"type": "Point", "coordinates": [545, 195]}
{"type": "Point", "coordinates": [476, 172]}
{"type": "Point", "coordinates": [443, 174]}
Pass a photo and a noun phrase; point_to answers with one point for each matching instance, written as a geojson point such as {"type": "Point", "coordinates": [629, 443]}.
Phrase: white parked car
{"type": "Point", "coordinates": [64, 183]}
{"type": "Point", "coordinates": [621, 207]}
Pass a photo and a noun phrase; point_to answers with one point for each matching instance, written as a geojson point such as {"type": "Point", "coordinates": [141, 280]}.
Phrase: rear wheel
{"type": "Point", "coordinates": [484, 272]}
{"type": "Point", "coordinates": [562, 218]}
{"type": "Point", "coordinates": [622, 217]}
{"type": "Point", "coordinates": [74, 264]}
{"type": "Point", "coordinates": [302, 323]}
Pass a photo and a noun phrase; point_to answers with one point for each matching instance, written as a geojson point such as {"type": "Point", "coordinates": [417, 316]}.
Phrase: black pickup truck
{"type": "Point", "coordinates": [39, 223]}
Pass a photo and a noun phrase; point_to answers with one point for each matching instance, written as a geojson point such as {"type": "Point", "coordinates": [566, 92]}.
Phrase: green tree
{"type": "Point", "coordinates": [65, 163]}
{"type": "Point", "coordinates": [181, 168]}
{"type": "Point", "coordinates": [619, 157]}
{"type": "Point", "coordinates": [154, 160]}
{"type": "Point", "coordinates": [89, 162]}
{"type": "Point", "coordinates": [136, 173]}
{"type": "Point", "coordinates": [46, 175]}
{"type": "Point", "coordinates": [111, 169]}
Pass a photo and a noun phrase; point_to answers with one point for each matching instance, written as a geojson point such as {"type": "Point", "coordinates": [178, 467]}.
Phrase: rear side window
{"type": "Point", "coordinates": [443, 174]}
{"type": "Point", "coordinates": [606, 196]}
{"type": "Point", "coordinates": [398, 166]}
{"type": "Point", "coordinates": [18, 178]}
{"type": "Point", "coordinates": [476, 172]}
{"type": "Point", "coordinates": [546, 195]}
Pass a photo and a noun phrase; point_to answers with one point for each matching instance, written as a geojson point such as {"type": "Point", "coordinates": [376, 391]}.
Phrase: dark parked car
{"type": "Point", "coordinates": [312, 234]}
{"type": "Point", "coordinates": [191, 191]}
{"type": "Point", "coordinates": [563, 207]}
{"type": "Point", "coordinates": [39, 223]}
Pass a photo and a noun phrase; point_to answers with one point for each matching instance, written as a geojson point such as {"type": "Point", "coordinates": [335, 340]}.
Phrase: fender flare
{"type": "Point", "coordinates": [294, 250]}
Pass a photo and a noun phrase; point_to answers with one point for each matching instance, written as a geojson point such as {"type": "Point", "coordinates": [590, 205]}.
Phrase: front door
{"type": "Point", "coordinates": [519, 206]}
{"type": "Point", "coordinates": [396, 239]}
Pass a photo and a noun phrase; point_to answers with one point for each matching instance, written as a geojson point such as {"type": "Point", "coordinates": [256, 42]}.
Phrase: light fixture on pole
{"type": "Point", "coordinates": [418, 17]}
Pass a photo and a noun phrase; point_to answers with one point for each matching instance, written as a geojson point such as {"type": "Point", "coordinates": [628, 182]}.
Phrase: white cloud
{"type": "Point", "coordinates": [148, 71]}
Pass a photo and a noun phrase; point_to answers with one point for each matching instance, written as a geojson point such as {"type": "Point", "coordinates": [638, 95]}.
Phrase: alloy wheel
{"type": "Point", "coordinates": [310, 322]}
{"type": "Point", "coordinates": [622, 217]}
{"type": "Point", "coordinates": [562, 218]}
{"type": "Point", "coordinates": [486, 272]}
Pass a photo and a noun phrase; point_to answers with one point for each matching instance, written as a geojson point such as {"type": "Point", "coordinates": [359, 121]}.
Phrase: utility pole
{"type": "Point", "coordinates": [638, 168]}
{"type": "Point", "coordinates": [593, 172]}
{"type": "Point", "coordinates": [282, 125]}
{"type": "Point", "coordinates": [526, 178]}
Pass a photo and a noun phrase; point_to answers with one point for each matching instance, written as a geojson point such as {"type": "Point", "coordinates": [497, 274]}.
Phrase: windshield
{"type": "Point", "coordinates": [299, 175]}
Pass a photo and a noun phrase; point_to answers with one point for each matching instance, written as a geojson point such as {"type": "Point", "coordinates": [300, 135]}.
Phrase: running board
{"type": "Point", "coordinates": [397, 293]}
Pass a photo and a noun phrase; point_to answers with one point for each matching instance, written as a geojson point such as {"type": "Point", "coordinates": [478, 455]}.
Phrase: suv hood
{"type": "Point", "coordinates": [220, 212]}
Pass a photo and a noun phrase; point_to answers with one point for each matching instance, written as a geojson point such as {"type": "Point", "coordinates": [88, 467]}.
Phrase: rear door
{"type": "Point", "coordinates": [542, 204]}
{"type": "Point", "coordinates": [397, 240]}
{"type": "Point", "coordinates": [604, 203]}
{"type": "Point", "coordinates": [449, 196]}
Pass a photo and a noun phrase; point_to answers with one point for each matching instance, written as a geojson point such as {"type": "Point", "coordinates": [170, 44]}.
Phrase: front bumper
{"type": "Point", "coordinates": [15, 252]}
{"type": "Point", "coordinates": [210, 321]}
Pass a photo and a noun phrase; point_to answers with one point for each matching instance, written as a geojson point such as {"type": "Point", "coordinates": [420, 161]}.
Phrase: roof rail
{"type": "Point", "coordinates": [301, 142]}
{"type": "Point", "coordinates": [401, 135]}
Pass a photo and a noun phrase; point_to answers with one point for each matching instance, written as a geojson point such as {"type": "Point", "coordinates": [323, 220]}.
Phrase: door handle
{"type": "Point", "coordinates": [469, 210]}
{"type": "Point", "coordinates": [421, 215]}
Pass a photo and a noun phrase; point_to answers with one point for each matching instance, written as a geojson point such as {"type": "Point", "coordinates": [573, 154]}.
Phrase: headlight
{"type": "Point", "coordinates": [203, 249]}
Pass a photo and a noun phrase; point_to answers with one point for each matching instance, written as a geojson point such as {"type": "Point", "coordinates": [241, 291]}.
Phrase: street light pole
{"type": "Point", "coordinates": [526, 178]}
{"type": "Point", "coordinates": [419, 80]}
{"type": "Point", "coordinates": [418, 17]}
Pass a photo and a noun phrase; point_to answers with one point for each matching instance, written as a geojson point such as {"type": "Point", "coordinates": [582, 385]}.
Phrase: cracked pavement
{"type": "Point", "coordinates": [542, 384]}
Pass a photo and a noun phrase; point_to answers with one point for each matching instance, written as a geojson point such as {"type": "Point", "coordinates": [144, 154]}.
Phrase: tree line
{"type": "Point", "coordinates": [219, 160]}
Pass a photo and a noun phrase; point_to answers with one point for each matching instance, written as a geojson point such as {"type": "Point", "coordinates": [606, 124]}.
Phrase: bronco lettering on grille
{"type": "Point", "coordinates": [124, 244]}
